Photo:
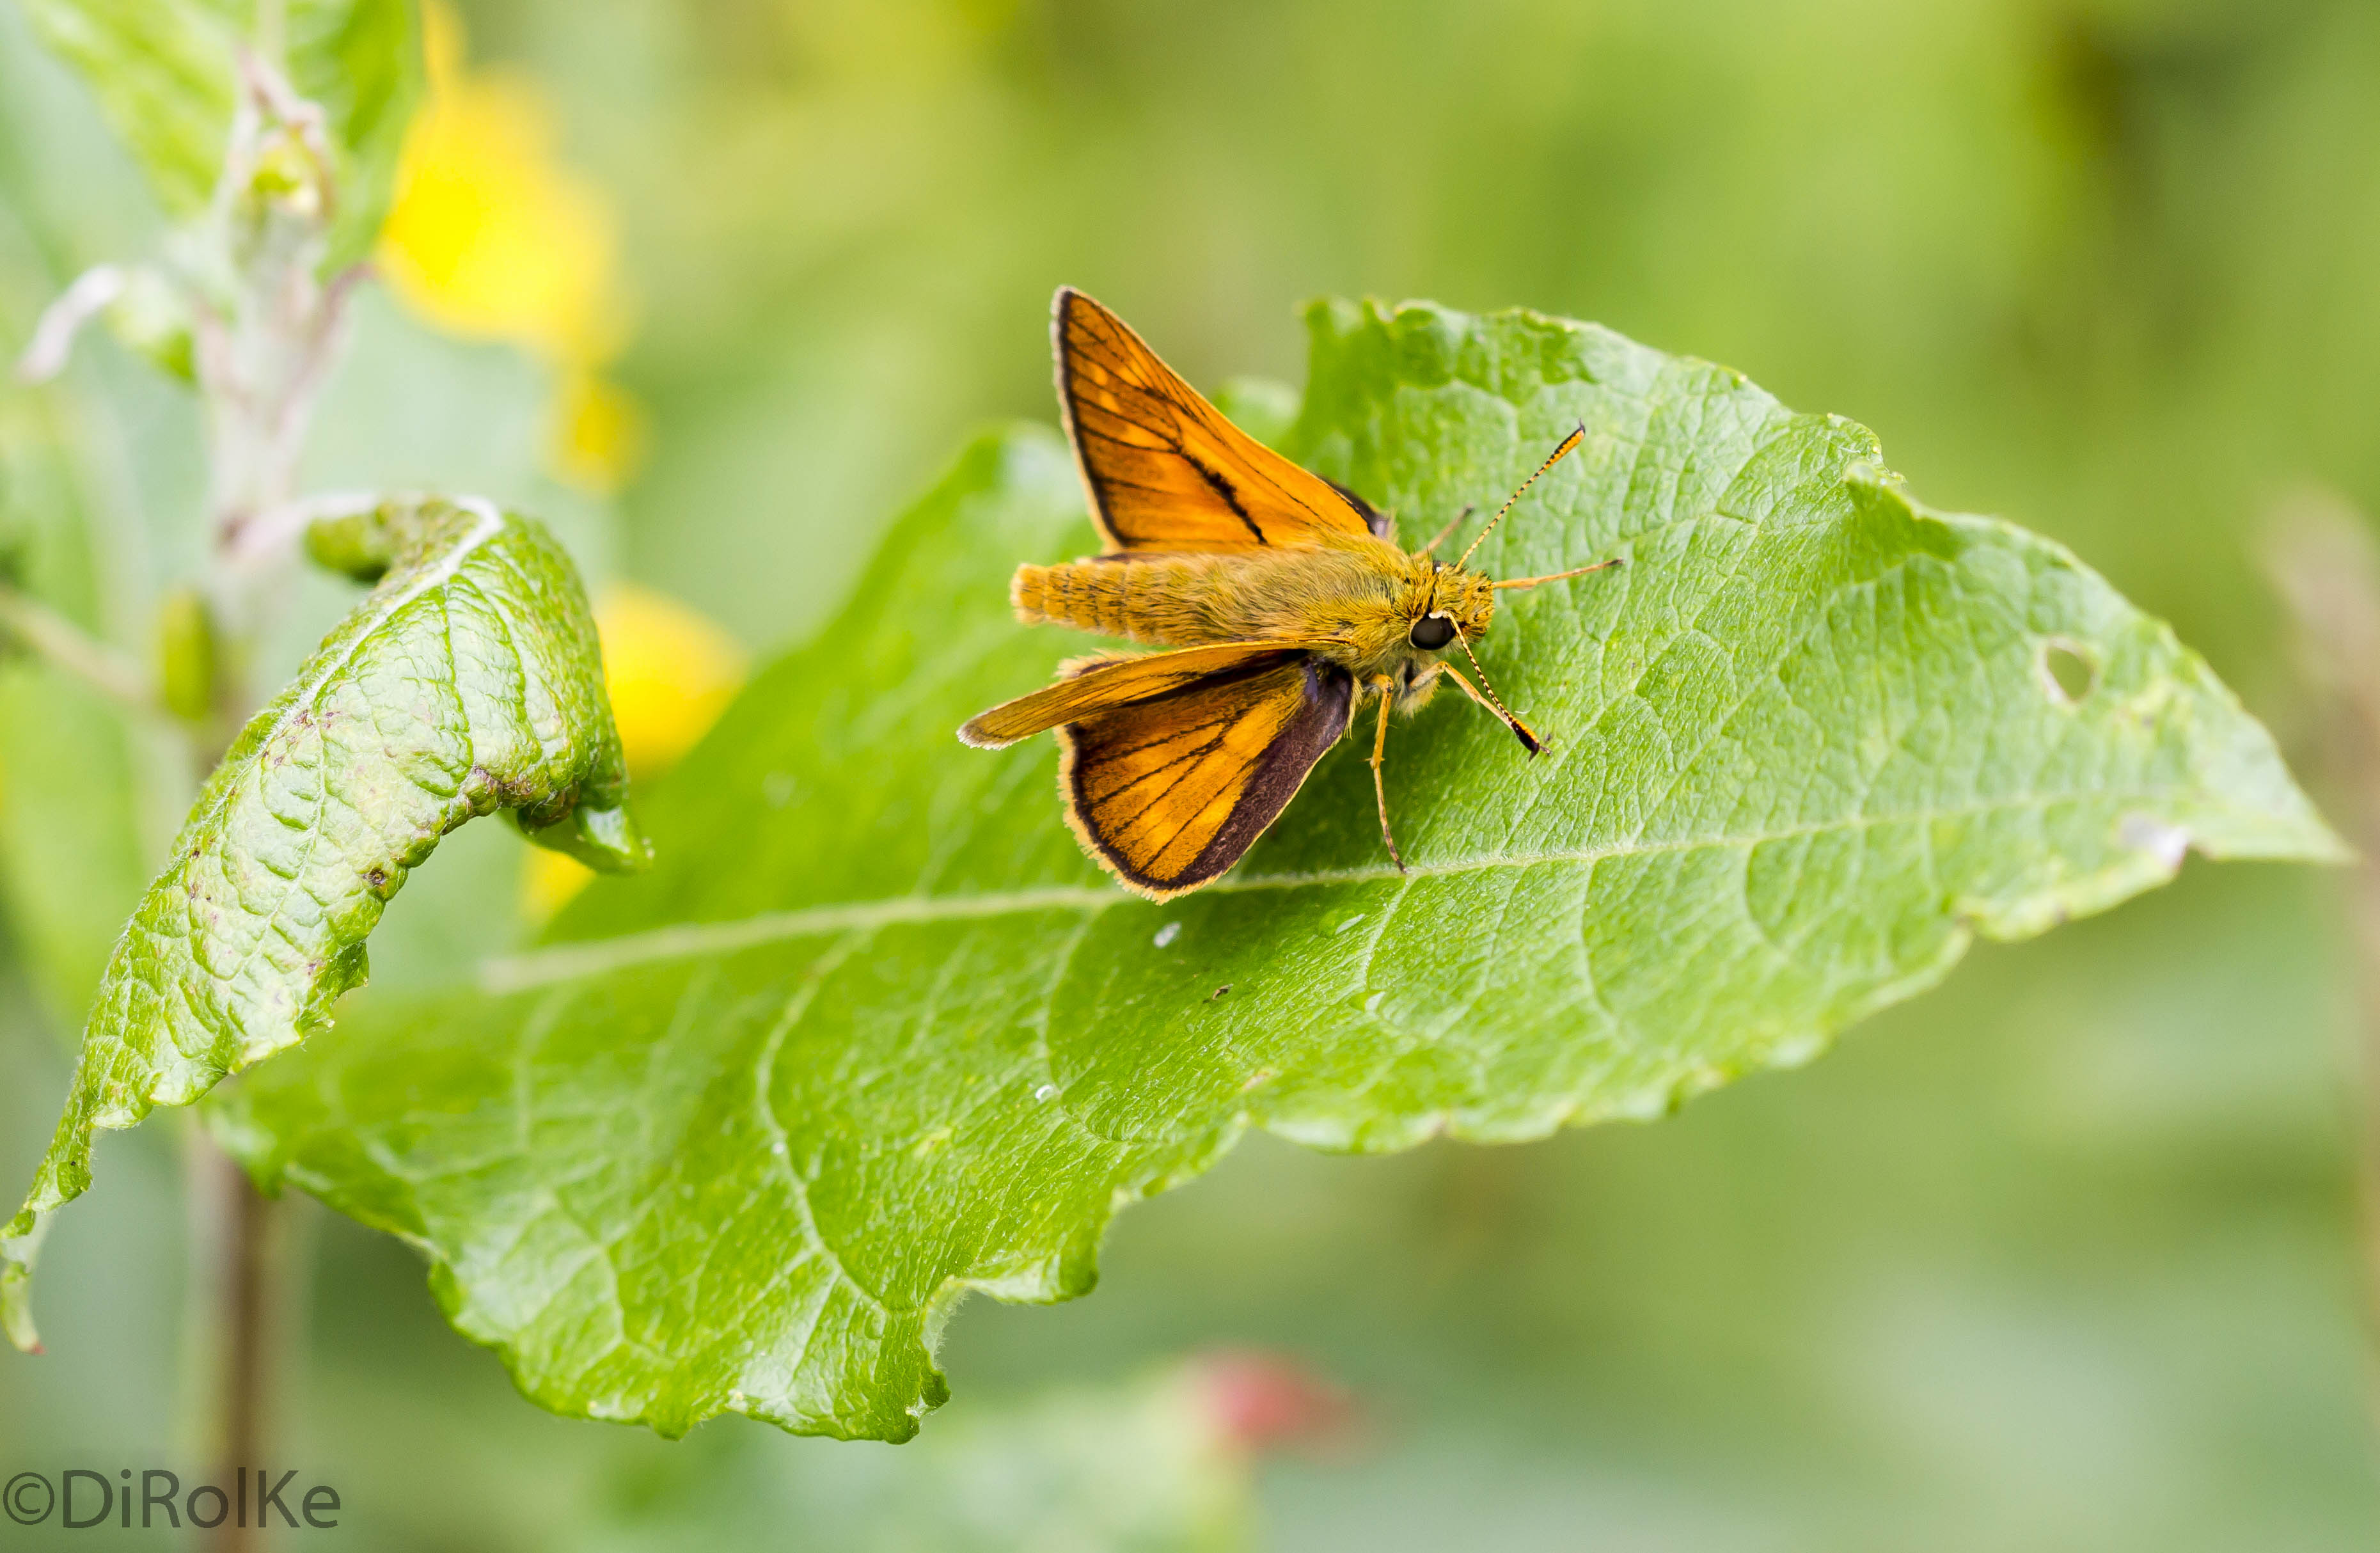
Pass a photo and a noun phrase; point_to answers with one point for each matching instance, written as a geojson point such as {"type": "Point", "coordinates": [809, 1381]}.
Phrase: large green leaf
{"type": "Point", "coordinates": [875, 1033]}
{"type": "Point", "coordinates": [468, 681]}
{"type": "Point", "coordinates": [165, 74]}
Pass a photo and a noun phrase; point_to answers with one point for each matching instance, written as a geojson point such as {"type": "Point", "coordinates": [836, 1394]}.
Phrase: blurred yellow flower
{"type": "Point", "coordinates": [671, 670]}
{"type": "Point", "coordinates": [598, 432]}
{"type": "Point", "coordinates": [491, 237]}
{"type": "Point", "coordinates": [671, 673]}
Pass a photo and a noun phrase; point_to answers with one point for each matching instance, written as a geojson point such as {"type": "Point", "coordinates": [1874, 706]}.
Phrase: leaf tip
{"type": "Point", "coordinates": [603, 836]}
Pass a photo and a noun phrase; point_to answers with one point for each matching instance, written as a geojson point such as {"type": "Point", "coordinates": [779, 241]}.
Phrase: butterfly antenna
{"type": "Point", "coordinates": [1552, 458]}
{"type": "Point", "coordinates": [1520, 728]}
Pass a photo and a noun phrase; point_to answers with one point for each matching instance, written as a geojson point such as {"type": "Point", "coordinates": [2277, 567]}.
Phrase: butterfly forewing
{"type": "Point", "coordinates": [1164, 469]}
{"type": "Point", "coordinates": [1168, 792]}
{"type": "Point", "coordinates": [1105, 680]}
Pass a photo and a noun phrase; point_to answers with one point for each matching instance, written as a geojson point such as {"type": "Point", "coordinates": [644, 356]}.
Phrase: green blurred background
{"type": "Point", "coordinates": [2064, 1255]}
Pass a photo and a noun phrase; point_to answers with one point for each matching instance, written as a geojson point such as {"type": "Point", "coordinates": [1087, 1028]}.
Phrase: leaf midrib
{"type": "Point", "coordinates": [502, 975]}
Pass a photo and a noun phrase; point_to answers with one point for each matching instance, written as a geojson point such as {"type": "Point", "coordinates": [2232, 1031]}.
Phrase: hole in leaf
{"type": "Point", "coordinates": [2068, 671]}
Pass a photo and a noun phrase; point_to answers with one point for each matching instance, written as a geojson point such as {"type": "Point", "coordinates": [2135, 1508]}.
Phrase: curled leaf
{"type": "Point", "coordinates": [468, 681]}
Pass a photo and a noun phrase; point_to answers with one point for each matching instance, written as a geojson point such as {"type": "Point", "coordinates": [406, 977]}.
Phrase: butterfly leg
{"type": "Point", "coordinates": [1527, 734]}
{"type": "Point", "coordinates": [1387, 690]}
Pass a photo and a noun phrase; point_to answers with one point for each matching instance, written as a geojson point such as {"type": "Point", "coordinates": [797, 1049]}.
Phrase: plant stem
{"type": "Point", "coordinates": [250, 1294]}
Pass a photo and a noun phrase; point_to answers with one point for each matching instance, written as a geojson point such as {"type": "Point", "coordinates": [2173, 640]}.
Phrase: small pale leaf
{"type": "Point", "coordinates": [165, 73]}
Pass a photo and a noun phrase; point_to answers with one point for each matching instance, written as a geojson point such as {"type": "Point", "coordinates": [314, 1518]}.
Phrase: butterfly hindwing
{"type": "Point", "coordinates": [1170, 792]}
{"type": "Point", "coordinates": [1164, 469]}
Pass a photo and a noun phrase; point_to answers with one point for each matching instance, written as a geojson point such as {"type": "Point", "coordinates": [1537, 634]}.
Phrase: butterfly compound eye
{"type": "Point", "coordinates": [1431, 632]}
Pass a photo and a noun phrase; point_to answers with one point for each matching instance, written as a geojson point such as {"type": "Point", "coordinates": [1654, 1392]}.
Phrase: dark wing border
{"type": "Point", "coordinates": [1064, 364]}
{"type": "Point", "coordinates": [1376, 521]}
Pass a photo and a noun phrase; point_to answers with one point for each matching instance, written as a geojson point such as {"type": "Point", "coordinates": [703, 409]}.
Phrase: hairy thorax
{"type": "Point", "coordinates": [1353, 600]}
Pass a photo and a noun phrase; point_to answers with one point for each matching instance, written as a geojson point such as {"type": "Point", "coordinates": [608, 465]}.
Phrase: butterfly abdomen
{"type": "Point", "coordinates": [1168, 601]}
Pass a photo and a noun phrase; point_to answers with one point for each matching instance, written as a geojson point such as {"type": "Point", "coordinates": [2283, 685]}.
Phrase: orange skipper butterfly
{"type": "Point", "coordinates": [1284, 595]}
